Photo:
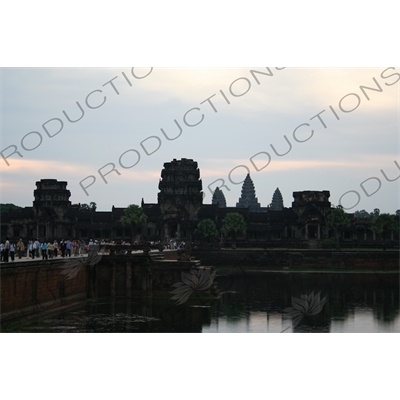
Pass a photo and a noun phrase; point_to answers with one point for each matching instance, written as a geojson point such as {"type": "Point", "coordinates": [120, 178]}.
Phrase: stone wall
{"type": "Point", "coordinates": [283, 259]}
{"type": "Point", "coordinates": [28, 288]}
{"type": "Point", "coordinates": [170, 254]}
{"type": "Point", "coordinates": [138, 276]}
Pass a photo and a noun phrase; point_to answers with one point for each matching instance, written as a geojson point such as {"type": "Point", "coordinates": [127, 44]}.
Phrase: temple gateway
{"type": "Point", "coordinates": [178, 211]}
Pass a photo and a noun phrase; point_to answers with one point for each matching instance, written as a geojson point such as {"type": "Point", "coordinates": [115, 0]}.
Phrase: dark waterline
{"type": "Point", "coordinates": [248, 302]}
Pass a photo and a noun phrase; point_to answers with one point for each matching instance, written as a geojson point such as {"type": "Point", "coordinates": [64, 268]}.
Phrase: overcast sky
{"type": "Point", "coordinates": [265, 106]}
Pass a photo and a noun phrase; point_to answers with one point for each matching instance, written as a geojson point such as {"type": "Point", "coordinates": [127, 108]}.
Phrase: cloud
{"type": "Point", "coordinates": [46, 169]}
{"type": "Point", "coordinates": [289, 91]}
{"type": "Point", "coordinates": [353, 161]}
{"type": "Point", "coordinates": [41, 167]}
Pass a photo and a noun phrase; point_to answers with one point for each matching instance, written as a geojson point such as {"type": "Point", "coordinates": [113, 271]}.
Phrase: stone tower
{"type": "Point", "coordinates": [51, 197]}
{"type": "Point", "coordinates": [312, 207]}
{"type": "Point", "coordinates": [180, 197]}
{"type": "Point", "coordinates": [49, 207]}
{"type": "Point", "coordinates": [219, 198]}
{"type": "Point", "coordinates": [277, 201]}
{"type": "Point", "coordinates": [248, 197]}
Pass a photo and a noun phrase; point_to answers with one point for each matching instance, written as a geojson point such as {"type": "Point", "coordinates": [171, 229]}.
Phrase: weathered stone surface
{"type": "Point", "coordinates": [180, 197]}
{"type": "Point", "coordinates": [37, 286]}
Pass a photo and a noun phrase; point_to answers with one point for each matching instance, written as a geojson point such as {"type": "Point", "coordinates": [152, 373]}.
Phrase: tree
{"type": "Point", "coordinates": [337, 219]}
{"type": "Point", "coordinates": [206, 229]}
{"type": "Point", "coordinates": [362, 214]}
{"type": "Point", "coordinates": [232, 224]}
{"type": "Point", "coordinates": [134, 216]}
{"type": "Point", "coordinates": [376, 212]}
{"type": "Point", "coordinates": [397, 213]}
{"type": "Point", "coordinates": [6, 207]}
{"type": "Point", "coordinates": [384, 224]}
{"type": "Point", "coordinates": [89, 207]}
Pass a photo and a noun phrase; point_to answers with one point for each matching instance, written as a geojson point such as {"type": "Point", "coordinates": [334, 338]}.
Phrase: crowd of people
{"type": "Point", "coordinates": [172, 244]}
{"type": "Point", "coordinates": [46, 249]}
{"type": "Point", "coordinates": [49, 249]}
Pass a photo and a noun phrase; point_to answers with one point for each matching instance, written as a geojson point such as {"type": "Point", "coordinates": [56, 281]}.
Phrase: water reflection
{"type": "Point", "coordinates": [356, 303]}
{"type": "Point", "coordinates": [248, 302]}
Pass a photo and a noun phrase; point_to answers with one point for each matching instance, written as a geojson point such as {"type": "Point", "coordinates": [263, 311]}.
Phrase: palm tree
{"type": "Point", "coordinates": [206, 230]}
{"type": "Point", "coordinates": [384, 224]}
{"type": "Point", "coordinates": [232, 224]}
{"type": "Point", "coordinates": [337, 219]}
{"type": "Point", "coordinates": [90, 207]}
{"type": "Point", "coordinates": [361, 214]}
{"type": "Point", "coordinates": [134, 216]}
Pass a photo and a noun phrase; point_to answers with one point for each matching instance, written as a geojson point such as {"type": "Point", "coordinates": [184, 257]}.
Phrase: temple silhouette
{"type": "Point", "coordinates": [178, 211]}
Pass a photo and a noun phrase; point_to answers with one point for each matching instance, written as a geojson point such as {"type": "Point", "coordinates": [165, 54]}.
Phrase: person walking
{"type": "Point", "coordinates": [36, 247]}
{"type": "Point", "coordinates": [68, 246]}
{"type": "Point", "coordinates": [44, 250]}
{"type": "Point", "coordinates": [55, 244]}
{"type": "Point", "coordinates": [30, 250]}
{"type": "Point", "coordinates": [76, 248]}
{"type": "Point", "coordinates": [62, 247]}
{"type": "Point", "coordinates": [33, 249]}
{"type": "Point", "coordinates": [50, 249]}
{"type": "Point", "coordinates": [2, 251]}
{"type": "Point", "coordinates": [20, 248]}
{"type": "Point", "coordinates": [6, 249]}
{"type": "Point", "coordinates": [12, 251]}
{"type": "Point", "coordinates": [82, 247]}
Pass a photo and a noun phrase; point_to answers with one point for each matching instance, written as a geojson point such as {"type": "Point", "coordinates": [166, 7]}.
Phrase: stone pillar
{"type": "Point", "coordinates": [147, 284]}
{"type": "Point", "coordinates": [128, 292]}
{"type": "Point", "coordinates": [365, 234]}
{"type": "Point", "coordinates": [112, 281]}
{"type": "Point", "coordinates": [178, 231]}
{"type": "Point", "coordinates": [147, 308]}
{"type": "Point", "coordinates": [306, 231]}
{"type": "Point", "coordinates": [95, 280]}
{"type": "Point", "coordinates": [128, 311]}
{"type": "Point", "coordinates": [112, 307]}
{"type": "Point", "coordinates": [319, 231]}
{"type": "Point", "coordinates": [166, 230]}
{"type": "Point", "coordinates": [374, 236]}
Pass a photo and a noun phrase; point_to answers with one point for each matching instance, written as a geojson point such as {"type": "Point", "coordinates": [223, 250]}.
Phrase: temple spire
{"type": "Point", "coordinates": [219, 198]}
{"type": "Point", "coordinates": [248, 197]}
{"type": "Point", "coordinates": [277, 201]}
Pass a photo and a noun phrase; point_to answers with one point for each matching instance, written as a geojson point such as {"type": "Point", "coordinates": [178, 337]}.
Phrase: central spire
{"type": "Point", "coordinates": [248, 197]}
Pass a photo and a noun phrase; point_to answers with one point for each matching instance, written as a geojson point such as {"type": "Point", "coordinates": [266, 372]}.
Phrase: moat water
{"type": "Point", "coordinates": [249, 301]}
